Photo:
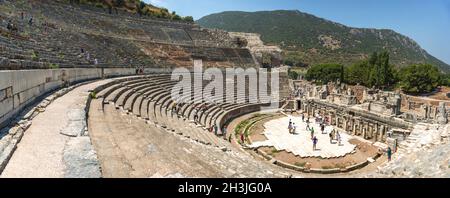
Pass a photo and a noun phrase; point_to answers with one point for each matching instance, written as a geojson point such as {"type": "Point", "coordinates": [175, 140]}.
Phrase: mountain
{"type": "Point", "coordinates": [307, 39]}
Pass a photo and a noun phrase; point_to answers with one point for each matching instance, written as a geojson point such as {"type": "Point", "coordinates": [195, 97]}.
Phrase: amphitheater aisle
{"type": "Point", "coordinates": [41, 152]}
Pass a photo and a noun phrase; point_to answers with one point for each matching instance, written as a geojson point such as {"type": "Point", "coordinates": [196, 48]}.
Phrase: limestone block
{"type": "Point", "coordinates": [74, 128]}
{"type": "Point", "coordinates": [77, 114]}
{"type": "Point", "coordinates": [80, 159]}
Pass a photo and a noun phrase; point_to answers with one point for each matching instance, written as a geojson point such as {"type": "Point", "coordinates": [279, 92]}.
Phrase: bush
{"type": "Point", "coordinates": [53, 66]}
{"type": "Point", "coordinates": [99, 5]}
{"type": "Point", "coordinates": [293, 74]}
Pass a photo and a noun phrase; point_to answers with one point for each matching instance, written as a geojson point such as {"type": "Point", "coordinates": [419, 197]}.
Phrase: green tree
{"type": "Point", "coordinates": [176, 17]}
{"type": "Point", "coordinates": [188, 19]}
{"type": "Point", "coordinates": [358, 73]}
{"type": "Point", "coordinates": [325, 73]}
{"type": "Point", "coordinates": [421, 78]}
{"type": "Point", "coordinates": [380, 70]}
{"type": "Point", "coordinates": [445, 80]}
{"type": "Point", "coordinates": [375, 71]}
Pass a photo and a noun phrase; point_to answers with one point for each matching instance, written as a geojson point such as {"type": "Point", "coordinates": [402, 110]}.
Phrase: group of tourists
{"type": "Point", "coordinates": [13, 27]}
{"type": "Point", "coordinates": [291, 127]}
{"type": "Point", "coordinates": [87, 56]}
{"type": "Point", "coordinates": [334, 134]}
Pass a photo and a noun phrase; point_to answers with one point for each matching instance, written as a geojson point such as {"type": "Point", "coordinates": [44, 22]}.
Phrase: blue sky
{"type": "Point", "coordinates": [425, 21]}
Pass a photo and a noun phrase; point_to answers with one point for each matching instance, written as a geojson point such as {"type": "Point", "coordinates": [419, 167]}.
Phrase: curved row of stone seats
{"type": "Point", "coordinates": [91, 11]}
{"type": "Point", "coordinates": [114, 40]}
{"type": "Point", "coordinates": [235, 164]}
{"type": "Point", "coordinates": [90, 18]}
{"type": "Point", "coordinates": [61, 47]}
{"type": "Point", "coordinates": [193, 132]}
{"type": "Point", "coordinates": [161, 113]}
{"type": "Point", "coordinates": [156, 29]}
{"type": "Point", "coordinates": [21, 52]}
{"type": "Point", "coordinates": [26, 48]}
{"type": "Point", "coordinates": [149, 97]}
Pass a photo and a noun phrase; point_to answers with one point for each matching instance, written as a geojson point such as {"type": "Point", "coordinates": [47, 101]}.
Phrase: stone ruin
{"type": "Point", "coordinates": [442, 117]}
{"type": "Point", "coordinates": [375, 115]}
{"type": "Point", "coordinates": [429, 111]}
{"type": "Point", "coordinates": [371, 116]}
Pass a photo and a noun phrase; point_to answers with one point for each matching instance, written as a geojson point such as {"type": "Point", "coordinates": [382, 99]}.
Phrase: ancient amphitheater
{"type": "Point", "coordinates": [85, 93]}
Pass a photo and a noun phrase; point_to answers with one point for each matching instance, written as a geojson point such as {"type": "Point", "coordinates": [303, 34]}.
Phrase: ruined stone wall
{"type": "Point", "coordinates": [256, 45]}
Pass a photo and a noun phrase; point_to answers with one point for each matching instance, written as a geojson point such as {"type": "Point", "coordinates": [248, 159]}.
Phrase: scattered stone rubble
{"type": "Point", "coordinates": [425, 153]}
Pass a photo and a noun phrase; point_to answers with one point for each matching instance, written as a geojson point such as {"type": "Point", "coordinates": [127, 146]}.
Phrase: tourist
{"type": "Point", "coordinates": [312, 132]}
{"type": "Point", "coordinates": [290, 126]}
{"type": "Point", "coordinates": [307, 126]}
{"type": "Point", "coordinates": [303, 117]}
{"type": "Point", "coordinates": [242, 138]}
{"type": "Point", "coordinates": [389, 153]}
{"type": "Point", "coordinates": [95, 62]}
{"type": "Point", "coordinates": [215, 130]}
{"type": "Point", "coordinates": [224, 131]}
{"type": "Point", "coordinates": [322, 128]}
{"type": "Point", "coordinates": [293, 128]}
{"type": "Point", "coordinates": [30, 22]}
{"type": "Point", "coordinates": [195, 117]}
{"type": "Point", "coordinates": [174, 108]}
{"type": "Point", "coordinates": [331, 138]}
{"type": "Point", "coordinates": [332, 134]}
{"type": "Point", "coordinates": [315, 140]}
{"type": "Point", "coordinates": [9, 26]}
{"type": "Point", "coordinates": [338, 137]}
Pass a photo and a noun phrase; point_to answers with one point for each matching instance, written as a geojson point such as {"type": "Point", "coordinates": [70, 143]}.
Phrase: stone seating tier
{"type": "Point", "coordinates": [149, 98]}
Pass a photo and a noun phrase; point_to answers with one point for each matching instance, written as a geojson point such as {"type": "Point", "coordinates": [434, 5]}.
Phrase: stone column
{"type": "Point", "coordinates": [367, 131]}
{"type": "Point", "coordinates": [307, 109]}
{"type": "Point", "coordinates": [360, 128]}
{"type": "Point", "coordinates": [345, 124]}
{"type": "Point", "coordinates": [353, 127]}
{"type": "Point", "coordinates": [376, 132]}
{"type": "Point", "coordinates": [382, 132]}
{"type": "Point", "coordinates": [330, 117]}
